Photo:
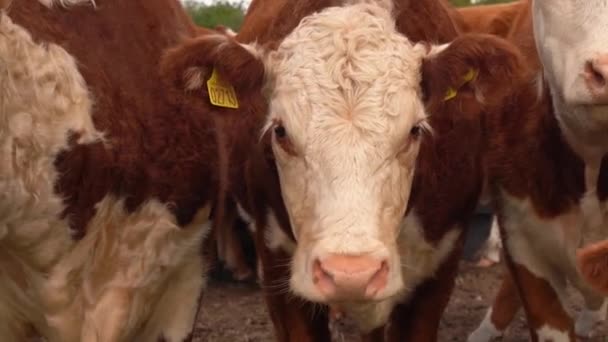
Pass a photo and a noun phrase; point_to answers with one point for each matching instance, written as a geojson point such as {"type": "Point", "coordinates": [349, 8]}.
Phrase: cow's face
{"type": "Point", "coordinates": [572, 40]}
{"type": "Point", "coordinates": [346, 118]}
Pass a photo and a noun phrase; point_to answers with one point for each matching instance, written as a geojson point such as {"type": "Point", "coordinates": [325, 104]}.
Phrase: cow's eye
{"type": "Point", "coordinates": [279, 131]}
{"type": "Point", "coordinates": [416, 130]}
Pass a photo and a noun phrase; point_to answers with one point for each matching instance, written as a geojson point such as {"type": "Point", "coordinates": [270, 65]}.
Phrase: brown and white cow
{"type": "Point", "coordinates": [345, 213]}
{"type": "Point", "coordinates": [106, 182]}
{"type": "Point", "coordinates": [549, 173]}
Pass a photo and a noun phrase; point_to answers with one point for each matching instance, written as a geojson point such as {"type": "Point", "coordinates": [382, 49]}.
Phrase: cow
{"type": "Point", "coordinates": [502, 20]}
{"type": "Point", "coordinates": [107, 184]}
{"type": "Point", "coordinates": [350, 161]}
{"type": "Point", "coordinates": [551, 191]}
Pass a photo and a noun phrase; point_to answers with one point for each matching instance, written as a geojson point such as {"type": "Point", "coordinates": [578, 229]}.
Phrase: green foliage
{"type": "Point", "coordinates": [231, 14]}
{"type": "Point", "coordinates": [225, 13]}
{"type": "Point", "coordinates": [461, 3]}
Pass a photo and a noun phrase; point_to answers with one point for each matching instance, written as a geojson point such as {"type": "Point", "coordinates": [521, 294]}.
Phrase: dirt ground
{"type": "Point", "coordinates": [235, 312]}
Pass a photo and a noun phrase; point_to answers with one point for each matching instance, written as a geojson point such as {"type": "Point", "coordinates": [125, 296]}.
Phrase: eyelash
{"type": "Point", "coordinates": [280, 134]}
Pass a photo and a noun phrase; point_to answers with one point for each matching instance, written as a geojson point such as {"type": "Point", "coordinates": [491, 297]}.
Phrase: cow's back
{"type": "Point", "coordinates": [118, 46]}
{"type": "Point", "coordinates": [521, 34]}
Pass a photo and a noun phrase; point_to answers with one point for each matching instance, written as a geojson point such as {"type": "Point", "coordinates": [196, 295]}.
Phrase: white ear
{"type": "Point", "coordinates": [437, 49]}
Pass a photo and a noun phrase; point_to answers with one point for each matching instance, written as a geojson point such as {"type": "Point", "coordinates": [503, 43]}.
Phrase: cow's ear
{"type": "Point", "coordinates": [481, 66]}
{"type": "Point", "coordinates": [212, 61]}
{"type": "Point", "coordinates": [592, 261]}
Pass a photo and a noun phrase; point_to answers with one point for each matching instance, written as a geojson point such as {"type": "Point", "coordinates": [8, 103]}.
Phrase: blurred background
{"type": "Point", "coordinates": [229, 13]}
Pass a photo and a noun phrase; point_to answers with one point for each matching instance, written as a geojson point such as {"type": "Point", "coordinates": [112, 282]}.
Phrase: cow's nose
{"type": "Point", "coordinates": [596, 77]}
{"type": "Point", "coordinates": [342, 277]}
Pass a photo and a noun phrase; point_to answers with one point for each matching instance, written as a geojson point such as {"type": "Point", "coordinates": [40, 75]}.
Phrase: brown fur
{"type": "Point", "coordinates": [157, 150]}
{"type": "Point", "coordinates": [521, 34]}
{"type": "Point", "coordinates": [493, 19]}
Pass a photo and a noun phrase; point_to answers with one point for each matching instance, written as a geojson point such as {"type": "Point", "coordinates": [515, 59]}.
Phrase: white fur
{"type": "Point", "coordinates": [486, 331]}
{"type": "Point", "coordinates": [548, 334]}
{"type": "Point", "coordinates": [43, 98]}
{"type": "Point", "coordinates": [492, 247]}
{"type": "Point", "coordinates": [128, 268]}
{"type": "Point", "coordinates": [348, 103]}
{"type": "Point", "coordinates": [547, 256]}
{"type": "Point", "coordinates": [275, 238]}
{"type": "Point", "coordinates": [122, 273]}
{"type": "Point", "coordinates": [245, 216]}
{"type": "Point", "coordinates": [569, 33]}
{"type": "Point", "coordinates": [588, 320]}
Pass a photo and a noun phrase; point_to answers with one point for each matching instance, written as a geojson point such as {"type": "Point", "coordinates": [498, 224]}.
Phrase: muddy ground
{"type": "Point", "coordinates": [235, 312]}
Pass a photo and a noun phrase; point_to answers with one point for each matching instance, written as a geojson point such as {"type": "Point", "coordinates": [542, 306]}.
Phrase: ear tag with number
{"type": "Point", "coordinates": [221, 93]}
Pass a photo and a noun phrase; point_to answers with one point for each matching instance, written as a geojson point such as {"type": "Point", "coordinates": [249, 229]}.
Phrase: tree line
{"type": "Point", "coordinates": [230, 14]}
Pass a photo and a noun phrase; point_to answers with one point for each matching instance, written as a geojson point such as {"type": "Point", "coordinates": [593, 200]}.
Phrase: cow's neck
{"type": "Point", "coordinates": [590, 143]}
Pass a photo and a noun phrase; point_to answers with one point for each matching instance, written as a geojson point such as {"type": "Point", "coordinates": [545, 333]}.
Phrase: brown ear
{"type": "Point", "coordinates": [474, 65]}
{"type": "Point", "coordinates": [187, 67]}
{"type": "Point", "coordinates": [592, 261]}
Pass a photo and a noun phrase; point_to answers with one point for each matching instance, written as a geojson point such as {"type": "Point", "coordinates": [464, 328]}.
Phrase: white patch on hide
{"type": "Point", "coordinates": [246, 217]}
{"type": "Point", "coordinates": [486, 331]}
{"type": "Point", "coordinates": [549, 334]}
{"type": "Point", "coordinates": [275, 238]}
{"type": "Point", "coordinates": [44, 98]}
{"type": "Point", "coordinates": [124, 271]}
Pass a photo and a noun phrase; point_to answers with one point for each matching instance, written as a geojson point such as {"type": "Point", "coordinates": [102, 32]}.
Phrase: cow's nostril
{"type": "Point", "coordinates": [319, 273]}
{"type": "Point", "coordinates": [594, 74]}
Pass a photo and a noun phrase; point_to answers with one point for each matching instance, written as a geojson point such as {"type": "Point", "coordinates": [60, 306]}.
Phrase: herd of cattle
{"type": "Point", "coordinates": [356, 138]}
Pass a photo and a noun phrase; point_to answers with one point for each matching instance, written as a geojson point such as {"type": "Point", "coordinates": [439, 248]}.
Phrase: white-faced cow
{"type": "Point", "coordinates": [356, 203]}
{"type": "Point", "coordinates": [549, 172]}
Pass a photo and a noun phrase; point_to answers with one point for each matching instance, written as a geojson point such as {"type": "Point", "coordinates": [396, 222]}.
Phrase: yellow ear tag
{"type": "Point", "coordinates": [221, 93]}
{"type": "Point", "coordinates": [450, 94]}
{"type": "Point", "coordinates": [470, 75]}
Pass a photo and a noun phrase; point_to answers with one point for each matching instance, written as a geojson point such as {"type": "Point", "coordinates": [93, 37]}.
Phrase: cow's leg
{"type": "Point", "coordinates": [418, 320]}
{"type": "Point", "coordinates": [235, 255]}
{"type": "Point", "coordinates": [500, 315]}
{"type": "Point", "coordinates": [229, 246]}
{"type": "Point", "coordinates": [547, 317]}
{"type": "Point", "coordinates": [490, 253]}
{"type": "Point", "coordinates": [594, 309]}
{"type": "Point", "coordinates": [539, 253]}
{"type": "Point", "coordinates": [592, 314]}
